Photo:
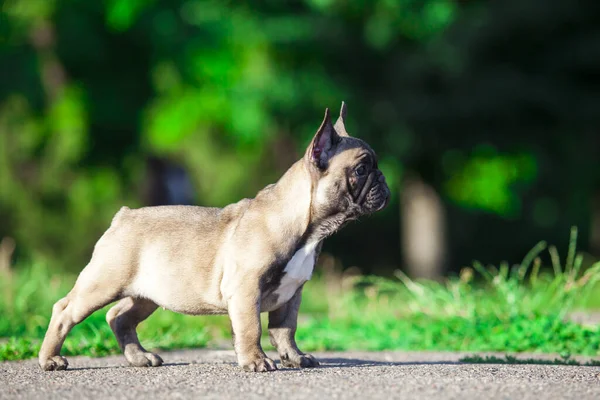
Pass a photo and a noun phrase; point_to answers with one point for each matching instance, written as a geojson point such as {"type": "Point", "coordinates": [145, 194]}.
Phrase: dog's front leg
{"type": "Point", "coordinates": [282, 329]}
{"type": "Point", "coordinates": [244, 312]}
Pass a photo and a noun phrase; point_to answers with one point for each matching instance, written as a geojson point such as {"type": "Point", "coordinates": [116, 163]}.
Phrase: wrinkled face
{"type": "Point", "coordinates": [365, 181]}
{"type": "Point", "coordinates": [348, 180]}
{"type": "Point", "coordinates": [354, 180]}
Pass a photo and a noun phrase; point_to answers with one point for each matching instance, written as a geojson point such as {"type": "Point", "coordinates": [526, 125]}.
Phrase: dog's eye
{"type": "Point", "coordinates": [360, 171]}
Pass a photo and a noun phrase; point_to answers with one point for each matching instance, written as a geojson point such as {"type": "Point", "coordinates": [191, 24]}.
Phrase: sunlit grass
{"type": "Point", "coordinates": [509, 308]}
{"type": "Point", "coordinates": [27, 306]}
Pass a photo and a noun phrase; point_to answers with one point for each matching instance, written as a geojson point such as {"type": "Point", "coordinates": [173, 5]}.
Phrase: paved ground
{"type": "Point", "coordinates": [351, 375]}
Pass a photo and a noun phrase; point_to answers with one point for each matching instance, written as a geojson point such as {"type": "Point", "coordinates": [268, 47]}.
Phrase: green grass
{"type": "Point", "coordinates": [26, 307]}
{"type": "Point", "coordinates": [501, 309]}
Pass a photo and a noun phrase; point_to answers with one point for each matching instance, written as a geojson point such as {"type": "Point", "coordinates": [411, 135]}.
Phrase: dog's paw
{"type": "Point", "coordinates": [56, 363]}
{"type": "Point", "coordinates": [299, 361]}
{"type": "Point", "coordinates": [260, 365]}
{"type": "Point", "coordinates": [144, 359]}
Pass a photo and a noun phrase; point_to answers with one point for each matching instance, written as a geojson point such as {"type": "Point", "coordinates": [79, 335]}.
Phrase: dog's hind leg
{"type": "Point", "coordinates": [123, 319]}
{"type": "Point", "coordinates": [85, 298]}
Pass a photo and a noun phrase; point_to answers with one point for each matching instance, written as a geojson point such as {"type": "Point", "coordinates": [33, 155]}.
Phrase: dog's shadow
{"type": "Point", "coordinates": [173, 364]}
{"type": "Point", "coordinates": [358, 363]}
{"type": "Point", "coordinates": [324, 363]}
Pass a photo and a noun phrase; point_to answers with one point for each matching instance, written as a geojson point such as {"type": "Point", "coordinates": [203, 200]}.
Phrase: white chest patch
{"type": "Point", "coordinates": [297, 271]}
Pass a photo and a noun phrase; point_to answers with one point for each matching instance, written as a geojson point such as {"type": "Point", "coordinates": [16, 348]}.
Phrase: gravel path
{"type": "Point", "coordinates": [213, 374]}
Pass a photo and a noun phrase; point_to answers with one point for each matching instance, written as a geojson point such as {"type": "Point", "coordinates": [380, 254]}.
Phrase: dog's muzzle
{"type": "Point", "coordinates": [375, 194]}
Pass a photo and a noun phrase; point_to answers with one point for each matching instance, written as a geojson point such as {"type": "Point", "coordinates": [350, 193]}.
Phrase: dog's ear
{"type": "Point", "coordinates": [322, 147]}
{"type": "Point", "coordinates": [340, 124]}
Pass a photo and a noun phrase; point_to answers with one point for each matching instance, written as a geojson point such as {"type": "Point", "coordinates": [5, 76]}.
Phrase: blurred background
{"type": "Point", "coordinates": [485, 116]}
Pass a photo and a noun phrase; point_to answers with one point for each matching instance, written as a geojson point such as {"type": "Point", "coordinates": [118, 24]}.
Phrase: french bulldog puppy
{"type": "Point", "coordinates": [249, 257]}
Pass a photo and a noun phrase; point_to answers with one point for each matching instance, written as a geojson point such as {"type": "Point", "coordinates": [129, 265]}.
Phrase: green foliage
{"type": "Point", "coordinates": [43, 191]}
{"type": "Point", "coordinates": [89, 90]}
{"type": "Point", "coordinates": [121, 14]}
{"type": "Point", "coordinates": [28, 11]}
{"type": "Point", "coordinates": [418, 20]}
{"type": "Point", "coordinates": [486, 180]}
